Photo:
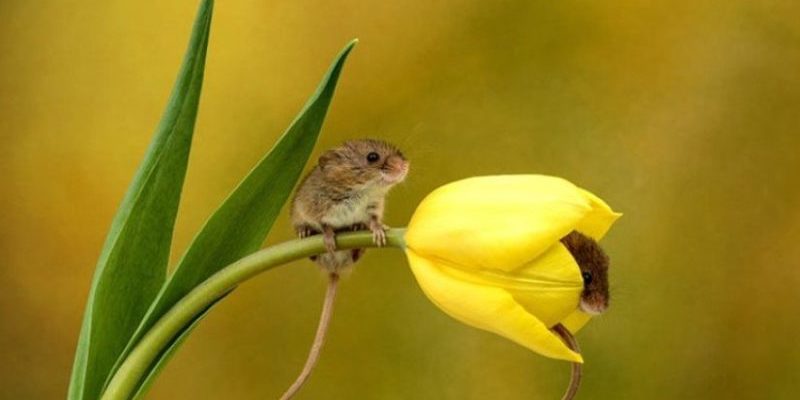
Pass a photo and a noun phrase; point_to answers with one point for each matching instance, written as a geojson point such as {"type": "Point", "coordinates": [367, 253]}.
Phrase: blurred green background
{"type": "Point", "coordinates": [684, 116]}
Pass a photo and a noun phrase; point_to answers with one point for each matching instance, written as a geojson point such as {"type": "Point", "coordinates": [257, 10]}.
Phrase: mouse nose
{"type": "Point", "coordinates": [398, 163]}
{"type": "Point", "coordinates": [397, 167]}
{"type": "Point", "coordinates": [404, 166]}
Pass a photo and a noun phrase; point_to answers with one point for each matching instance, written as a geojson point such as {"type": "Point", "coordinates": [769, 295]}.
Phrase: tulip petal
{"type": "Point", "coordinates": [497, 222]}
{"type": "Point", "coordinates": [552, 299]}
{"type": "Point", "coordinates": [486, 307]}
{"type": "Point", "coordinates": [598, 221]}
{"type": "Point", "coordinates": [575, 321]}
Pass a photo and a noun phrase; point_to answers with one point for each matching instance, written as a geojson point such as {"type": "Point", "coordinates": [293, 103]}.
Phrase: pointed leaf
{"type": "Point", "coordinates": [240, 225]}
{"type": "Point", "coordinates": [133, 261]}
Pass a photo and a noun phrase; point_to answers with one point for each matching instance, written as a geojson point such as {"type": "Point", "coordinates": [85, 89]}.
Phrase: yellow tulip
{"type": "Point", "coordinates": [487, 251]}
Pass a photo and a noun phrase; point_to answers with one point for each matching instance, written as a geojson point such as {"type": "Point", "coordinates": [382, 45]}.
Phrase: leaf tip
{"type": "Point", "coordinates": [349, 46]}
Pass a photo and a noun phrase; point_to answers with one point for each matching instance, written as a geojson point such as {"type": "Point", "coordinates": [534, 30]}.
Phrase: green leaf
{"type": "Point", "coordinates": [133, 261]}
{"type": "Point", "coordinates": [240, 225]}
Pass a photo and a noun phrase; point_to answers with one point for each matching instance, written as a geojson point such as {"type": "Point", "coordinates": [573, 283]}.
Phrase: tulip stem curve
{"type": "Point", "coordinates": [575, 378]}
{"type": "Point", "coordinates": [133, 370]}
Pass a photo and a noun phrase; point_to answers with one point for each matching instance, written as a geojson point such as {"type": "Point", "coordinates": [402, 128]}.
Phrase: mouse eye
{"type": "Point", "coordinates": [372, 157]}
{"type": "Point", "coordinates": [587, 278]}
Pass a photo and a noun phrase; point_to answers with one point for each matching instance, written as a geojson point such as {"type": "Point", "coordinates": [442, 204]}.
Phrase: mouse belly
{"type": "Point", "coordinates": [346, 214]}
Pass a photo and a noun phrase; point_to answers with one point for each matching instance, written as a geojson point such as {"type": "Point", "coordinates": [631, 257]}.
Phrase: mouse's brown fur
{"type": "Point", "coordinates": [345, 191]}
{"type": "Point", "coordinates": [593, 263]}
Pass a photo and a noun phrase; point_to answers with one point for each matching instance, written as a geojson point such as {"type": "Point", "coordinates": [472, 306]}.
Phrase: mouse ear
{"type": "Point", "coordinates": [326, 158]}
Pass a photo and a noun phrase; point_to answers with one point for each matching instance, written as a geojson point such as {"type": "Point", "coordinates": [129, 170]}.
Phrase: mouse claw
{"type": "Point", "coordinates": [379, 237]}
{"type": "Point", "coordinates": [378, 234]}
{"type": "Point", "coordinates": [304, 232]}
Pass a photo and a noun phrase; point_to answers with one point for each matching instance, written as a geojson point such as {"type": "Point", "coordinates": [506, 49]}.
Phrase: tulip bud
{"type": "Point", "coordinates": [487, 251]}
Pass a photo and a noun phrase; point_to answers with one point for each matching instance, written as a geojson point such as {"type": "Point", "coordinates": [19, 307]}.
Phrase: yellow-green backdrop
{"type": "Point", "coordinates": [683, 115]}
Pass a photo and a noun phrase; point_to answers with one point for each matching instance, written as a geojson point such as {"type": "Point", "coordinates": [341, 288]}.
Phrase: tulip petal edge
{"type": "Point", "coordinates": [486, 307]}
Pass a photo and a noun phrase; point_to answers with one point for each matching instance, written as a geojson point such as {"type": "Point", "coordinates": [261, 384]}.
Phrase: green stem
{"type": "Point", "coordinates": [138, 362]}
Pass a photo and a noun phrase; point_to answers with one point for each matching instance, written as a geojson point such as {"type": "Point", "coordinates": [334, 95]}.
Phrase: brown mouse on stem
{"type": "Point", "coordinates": [593, 262]}
{"type": "Point", "coordinates": [345, 191]}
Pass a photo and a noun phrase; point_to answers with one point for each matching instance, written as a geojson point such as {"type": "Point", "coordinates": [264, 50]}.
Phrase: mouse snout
{"type": "Point", "coordinates": [593, 303]}
{"type": "Point", "coordinates": [396, 169]}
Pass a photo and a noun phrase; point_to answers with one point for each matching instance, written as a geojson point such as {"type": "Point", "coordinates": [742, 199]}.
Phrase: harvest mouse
{"type": "Point", "coordinates": [345, 192]}
{"type": "Point", "coordinates": [593, 263]}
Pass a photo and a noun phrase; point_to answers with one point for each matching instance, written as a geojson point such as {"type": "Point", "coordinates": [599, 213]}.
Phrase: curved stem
{"type": "Point", "coordinates": [575, 379]}
{"type": "Point", "coordinates": [136, 365]}
{"type": "Point", "coordinates": [319, 338]}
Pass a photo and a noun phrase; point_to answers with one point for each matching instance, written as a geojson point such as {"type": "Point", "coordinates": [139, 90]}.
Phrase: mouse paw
{"type": "Point", "coordinates": [378, 234]}
{"type": "Point", "coordinates": [379, 237]}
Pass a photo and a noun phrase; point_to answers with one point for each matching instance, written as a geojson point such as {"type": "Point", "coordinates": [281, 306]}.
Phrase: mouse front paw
{"type": "Point", "coordinates": [378, 234]}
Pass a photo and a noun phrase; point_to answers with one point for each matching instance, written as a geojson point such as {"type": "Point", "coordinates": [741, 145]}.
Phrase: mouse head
{"type": "Point", "coordinates": [593, 263]}
{"type": "Point", "coordinates": [365, 163]}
